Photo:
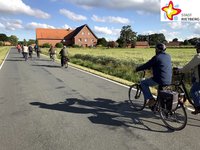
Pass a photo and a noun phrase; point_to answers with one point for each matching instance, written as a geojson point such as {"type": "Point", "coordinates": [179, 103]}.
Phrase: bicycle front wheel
{"type": "Point", "coordinates": [174, 119]}
{"type": "Point", "coordinates": [136, 97]}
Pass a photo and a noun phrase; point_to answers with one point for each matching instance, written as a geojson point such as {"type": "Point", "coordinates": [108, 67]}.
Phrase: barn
{"type": "Point", "coordinates": [82, 36]}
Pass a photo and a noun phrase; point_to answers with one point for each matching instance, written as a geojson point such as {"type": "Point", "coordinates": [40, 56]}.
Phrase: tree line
{"type": "Point", "coordinates": [14, 40]}
{"type": "Point", "coordinates": [127, 38]}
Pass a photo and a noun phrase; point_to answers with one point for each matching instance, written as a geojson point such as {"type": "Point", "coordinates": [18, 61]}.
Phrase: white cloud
{"type": "Point", "coordinates": [151, 6]}
{"type": "Point", "coordinates": [71, 15]}
{"type": "Point", "coordinates": [34, 25]}
{"type": "Point", "coordinates": [105, 31]}
{"type": "Point", "coordinates": [66, 26]}
{"type": "Point", "coordinates": [10, 24]}
{"type": "Point", "coordinates": [2, 26]}
{"type": "Point", "coordinates": [178, 25]}
{"type": "Point", "coordinates": [102, 30]}
{"type": "Point", "coordinates": [111, 19]}
{"type": "Point", "coordinates": [197, 28]}
{"type": "Point", "coordinates": [18, 6]}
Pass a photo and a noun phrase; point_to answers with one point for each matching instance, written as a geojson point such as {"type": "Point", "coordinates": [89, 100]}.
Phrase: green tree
{"type": "Point", "coordinates": [102, 41]}
{"type": "Point", "coordinates": [175, 40]}
{"type": "Point", "coordinates": [24, 42]}
{"type": "Point", "coordinates": [194, 40]}
{"type": "Point", "coordinates": [127, 36]}
{"type": "Point", "coordinates": [31, 42]}
{"type": "Point", "coordinates": [156, 38]}
{"type": "Point", "coordinates": [13, 39]}
{"type": "Point", "coordinates": [3, 37]}
{"type": "Point", "coordinates": [142, 37]}
{"type": "Point", "coordinates": [186, 42]}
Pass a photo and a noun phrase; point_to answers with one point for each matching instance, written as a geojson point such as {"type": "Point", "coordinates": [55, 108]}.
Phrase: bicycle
{"type": "Point", "coordinates": [180, 87]}
{"type": "Point", "coordinates": [174, 118]}
{"type": "Point", "coordinates": [65, 61]}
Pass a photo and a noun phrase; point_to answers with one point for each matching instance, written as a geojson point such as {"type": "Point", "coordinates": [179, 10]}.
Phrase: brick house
{"type": "Point", "coordinates": [141, 44]}
{"type": "Point", "coordinates": [173, 44]}
{"type": "Point", "coordinates": [82, 36]}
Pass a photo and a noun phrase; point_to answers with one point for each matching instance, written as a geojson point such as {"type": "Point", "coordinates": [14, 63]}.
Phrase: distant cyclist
{"type": "Point", "coordinates": [162, 72]}
{"type": "Point", "coordinates": [52, 53]}
{"type": "Point", "coordinates": [64, 56]}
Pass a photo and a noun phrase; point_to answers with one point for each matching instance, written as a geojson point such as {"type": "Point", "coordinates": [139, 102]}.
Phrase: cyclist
{"type": "Point", "coordinates": [63, 53]}
{"type": "Point", "coordinates": [194, 66]}
{"type": "Point", "coordinates": [162, 72]}
{"type": "Point", "coordinates": [52, 53]}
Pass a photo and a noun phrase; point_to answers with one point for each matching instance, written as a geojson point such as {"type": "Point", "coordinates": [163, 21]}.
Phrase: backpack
{"type": "Point", "coordinates": [168, 99]}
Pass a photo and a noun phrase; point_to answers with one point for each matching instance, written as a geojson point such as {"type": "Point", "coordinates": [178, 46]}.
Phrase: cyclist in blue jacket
{"type": "Point", "coordinates": [162, 72]}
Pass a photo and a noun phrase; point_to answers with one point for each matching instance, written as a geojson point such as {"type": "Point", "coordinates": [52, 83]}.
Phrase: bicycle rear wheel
{"type": "Point", "coordinates": [174, 119]}
{"type": "Point", "coordinates": [136, 97]}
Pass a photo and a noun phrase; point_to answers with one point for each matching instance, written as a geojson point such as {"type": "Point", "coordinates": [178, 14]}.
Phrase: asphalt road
{"type": "Point", "coordinates": [45, 107]}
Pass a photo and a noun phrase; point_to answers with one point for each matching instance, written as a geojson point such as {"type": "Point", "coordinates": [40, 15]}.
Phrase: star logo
{"type": "Point", "coordinates": [171, 11]}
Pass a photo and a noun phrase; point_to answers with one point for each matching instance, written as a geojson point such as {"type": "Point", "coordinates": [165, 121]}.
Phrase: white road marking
{"type": "Point", "coordinates": [4, 60]}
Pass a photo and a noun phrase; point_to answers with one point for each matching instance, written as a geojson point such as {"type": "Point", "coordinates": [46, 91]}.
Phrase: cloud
{"type": "Point", "coordinates": [102, 30]}
{"type": "Point", "coordinates": [197, 28]}
{"type": "Point", "coordinates": [66, 26]}
{"type": "Point", "coordinates": [178, 25]}
{"type": "Point", "coordinates": [150, 6]}
{"type": "Point", "coordinates": [111, 19]}
{"type": "Point", "coordinates": [107, 31]}
{"type": "Point", "coordinates": [71, 15]}
{"type": "Point", "coordinates": [34, 25]}
{"type": "Point", "coordinates": [18, 7]}
{"type": "Point", "coordinates": [10, 24]}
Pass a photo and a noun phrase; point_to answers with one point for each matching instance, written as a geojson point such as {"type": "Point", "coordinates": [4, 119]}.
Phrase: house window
{"type": "Point", "coordinates": [88, 33]}
{"type": "Point", "coordinates": [79, 39]}
{"type": "Point", "coordinates": [83, 33]}
{"type": "Point", "coordinates": [86, 40]}
{"type": "Point", "coordinates": [92, 40]}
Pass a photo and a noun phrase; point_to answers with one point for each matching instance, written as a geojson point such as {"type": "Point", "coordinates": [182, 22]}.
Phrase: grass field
{"type": "Point", "coordinates": [179, 56]}
{"type": "Point", "coordinates": [3, 51]}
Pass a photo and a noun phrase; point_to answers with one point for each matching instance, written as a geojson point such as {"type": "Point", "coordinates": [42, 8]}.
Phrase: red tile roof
{"type": "Point", "coordinates": [42, 33]}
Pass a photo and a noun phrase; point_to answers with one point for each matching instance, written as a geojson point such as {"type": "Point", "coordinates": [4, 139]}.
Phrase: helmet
{"type": "Point", "coordinates": [197, 46]}
{"type": "Point", "coordinates": [160, 47]}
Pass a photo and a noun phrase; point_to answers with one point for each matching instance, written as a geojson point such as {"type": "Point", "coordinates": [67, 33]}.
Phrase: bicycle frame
{"type": "Point", "coordinates": [181, 85]}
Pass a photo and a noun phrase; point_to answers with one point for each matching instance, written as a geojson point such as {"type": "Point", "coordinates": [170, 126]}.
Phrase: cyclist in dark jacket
{"type": "Point", "coordinates": [63, 53]}
{"type": "Point", "coordinates": [162, 72]}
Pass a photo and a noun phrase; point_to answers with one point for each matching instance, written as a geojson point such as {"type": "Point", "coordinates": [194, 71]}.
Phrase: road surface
{"type": "Point", "coordinates": [45, 107]}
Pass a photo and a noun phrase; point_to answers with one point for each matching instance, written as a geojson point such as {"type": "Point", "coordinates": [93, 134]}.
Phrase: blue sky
{"type": "Point", "coordinates": [105, 17]}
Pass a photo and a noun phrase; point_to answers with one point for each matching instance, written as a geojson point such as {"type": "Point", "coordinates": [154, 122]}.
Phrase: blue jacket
{"type": "Point", "coordinates": [161, 66]}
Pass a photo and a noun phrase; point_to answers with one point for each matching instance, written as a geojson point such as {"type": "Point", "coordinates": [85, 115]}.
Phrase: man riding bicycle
{"type": "Point", "coordinates": [162, 72]}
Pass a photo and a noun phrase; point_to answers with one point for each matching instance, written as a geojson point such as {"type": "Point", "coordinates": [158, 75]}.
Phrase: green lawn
{"type": "Point", "coordinates": [3, 51]}
{"type": "Point", "coordinates": [179, 56]}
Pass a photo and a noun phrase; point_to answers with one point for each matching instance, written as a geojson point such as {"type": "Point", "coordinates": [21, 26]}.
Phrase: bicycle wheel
{"type": "Point", "coordinates": [136, 97]}
{"type": "Point", "coordinates": [174, 119]}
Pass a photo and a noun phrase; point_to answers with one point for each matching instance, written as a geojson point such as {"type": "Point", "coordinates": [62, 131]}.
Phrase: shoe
{"type": "Point", "coordinates": [196, 111]}
{"type": "Point", "coordinates": [151, 102]}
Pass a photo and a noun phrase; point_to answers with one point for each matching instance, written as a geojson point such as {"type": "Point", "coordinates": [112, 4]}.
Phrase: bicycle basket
{"type": "Point", "coordinates": [168, 99]}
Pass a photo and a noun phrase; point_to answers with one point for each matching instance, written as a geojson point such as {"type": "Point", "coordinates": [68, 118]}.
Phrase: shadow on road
{"type": "Point", "coordinates": [15, 60]}
{"type": "Point", "coordinates": [50, 66]}
{"type": "Point", "coordinates": [107, 112]}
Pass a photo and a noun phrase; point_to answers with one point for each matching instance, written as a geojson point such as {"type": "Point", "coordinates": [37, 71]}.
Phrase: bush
{"type": "Point", "coordinates": [59, 45]}
{"type": "Point", "coordinates": [1, 43]}
{"type": "Point", "coordinates": [76, 46]}
{"type": "Point", "coordinates": [46, 45]}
